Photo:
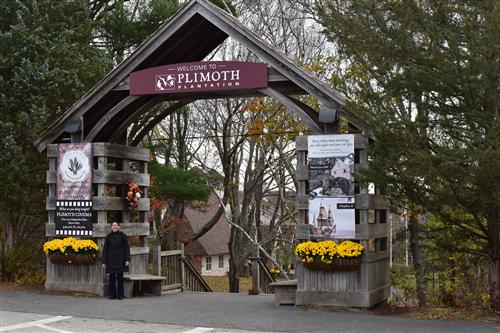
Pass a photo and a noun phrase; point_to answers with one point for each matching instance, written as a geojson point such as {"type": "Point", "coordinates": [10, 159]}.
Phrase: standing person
{"type": "Point", "coordinates": [115, 259]}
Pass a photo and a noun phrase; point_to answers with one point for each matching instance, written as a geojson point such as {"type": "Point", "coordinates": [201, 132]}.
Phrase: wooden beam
{"type": "Point", "coordinates": [304, 112]}
{"type": "Point", "coordinates": [122, 127]}
{"type": "Point", "coordinates": [157, 119]}
{"type": "Point", "coordinates": [109, 115]}
{"type": "Point", "coordinates": [119, 151]}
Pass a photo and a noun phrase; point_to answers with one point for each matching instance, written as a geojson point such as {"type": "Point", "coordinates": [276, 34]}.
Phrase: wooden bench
{"type": "Point", "coordinates": [140, 284]}
{"type": "Point", "coordinates": [284, 292]}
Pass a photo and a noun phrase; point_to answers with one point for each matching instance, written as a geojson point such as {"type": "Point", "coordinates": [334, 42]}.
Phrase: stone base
{"type": "Point", "coordinates": [350, 299]}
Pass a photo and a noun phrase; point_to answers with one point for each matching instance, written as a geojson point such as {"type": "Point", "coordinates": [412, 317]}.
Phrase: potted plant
{"type": "Point", "coordinates": [71, 251]}
{"type": "Point", "coordinates": [330, 256]}
{"type": "Point", "coordinates": [276, 273]}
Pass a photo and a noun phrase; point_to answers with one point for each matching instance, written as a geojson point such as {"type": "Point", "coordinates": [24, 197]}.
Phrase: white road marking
{"type": "Point", "coordinates": [34, 323]}
{"type": "Point", "coordinates": [200, 330]}
{"type": "Point", "coordinates": [52, 328]}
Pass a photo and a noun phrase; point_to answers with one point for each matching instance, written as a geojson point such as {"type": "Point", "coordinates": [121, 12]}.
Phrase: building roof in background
{"type": "Point", "coordinates": [215, 241]}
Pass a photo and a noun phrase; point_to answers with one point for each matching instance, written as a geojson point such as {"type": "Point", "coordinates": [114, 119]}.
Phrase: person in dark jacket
{"type": "Point", "coordinates": [115, 259]}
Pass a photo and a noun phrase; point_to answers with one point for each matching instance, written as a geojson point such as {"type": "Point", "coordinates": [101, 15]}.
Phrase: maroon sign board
{"type": "Point", "coordinates": [198, 77]}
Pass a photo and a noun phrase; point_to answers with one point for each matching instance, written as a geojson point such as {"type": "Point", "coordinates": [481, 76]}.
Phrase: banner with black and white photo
{"type": "Point", "coordinates": [74, 189]}
{"type": "Point", "coordinates": [330, 166]}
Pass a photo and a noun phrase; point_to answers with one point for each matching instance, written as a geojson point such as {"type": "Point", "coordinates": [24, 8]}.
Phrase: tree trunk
{"type": "Point", "coordinates": [416, 258]}
{"type": "Point", "coordinates": [495, 283]}
{"type": "Point", "coordinates": [234, 276]}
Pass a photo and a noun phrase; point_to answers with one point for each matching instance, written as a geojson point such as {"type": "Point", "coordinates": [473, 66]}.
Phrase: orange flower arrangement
{"type": "Point", "coordinates": [133, 195]}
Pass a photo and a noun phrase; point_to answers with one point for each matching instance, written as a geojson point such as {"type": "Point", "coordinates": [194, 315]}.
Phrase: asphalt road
{"type": "Point", "coordinates": [197, 311]}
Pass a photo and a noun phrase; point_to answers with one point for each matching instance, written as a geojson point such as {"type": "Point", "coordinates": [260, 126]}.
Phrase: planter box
{"type": "Point", "coordinates": [341, 264]}
{"type": "Point", "coordinates": [72, 259]}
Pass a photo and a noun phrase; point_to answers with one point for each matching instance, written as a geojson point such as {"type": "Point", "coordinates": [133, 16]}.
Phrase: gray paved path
{"type": "Point", "coordinates": [220, 312]}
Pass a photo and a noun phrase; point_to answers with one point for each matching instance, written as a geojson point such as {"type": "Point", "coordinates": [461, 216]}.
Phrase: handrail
{"type": "Point", "coordinates": [265, 278]}
{"type": "Point", "coordinates": [178, 270]}
{"type": "Point", "coordinates": [196, 275]}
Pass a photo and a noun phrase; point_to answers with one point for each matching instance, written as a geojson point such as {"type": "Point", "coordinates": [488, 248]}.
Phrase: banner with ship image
{"type": "Point", "coordinates": [331, 185]}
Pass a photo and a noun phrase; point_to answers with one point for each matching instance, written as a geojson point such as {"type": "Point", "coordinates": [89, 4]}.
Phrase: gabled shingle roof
{"type": "Point", "coordinates": [215, 241]}
{"type": "Point", "coordinates": [190, 35]}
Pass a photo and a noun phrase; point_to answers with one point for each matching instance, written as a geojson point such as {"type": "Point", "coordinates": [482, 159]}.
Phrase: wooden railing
{"type": "Point", "coordinates": [193, 280]}
{"type": "Point", "coordinates": [265, 278]}
{"type": "Point", "coordinates": [179, 272]}
{"type": "Point", "coordinates": [171, 268]}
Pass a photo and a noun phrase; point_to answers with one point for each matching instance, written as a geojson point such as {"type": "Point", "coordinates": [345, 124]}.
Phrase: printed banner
{"type": "Point", "coordinates": [330, 166]}
{"type": "Point", "coordinates": [74, 217]}
{"type": "Point", "coordinates": [74, 172]}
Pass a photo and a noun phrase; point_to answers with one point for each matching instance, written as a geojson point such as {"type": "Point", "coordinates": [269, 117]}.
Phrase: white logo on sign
{"type": "Point", "coordinates": [165, 82]}
{"type": "Point", "coordinates": [74, 166]}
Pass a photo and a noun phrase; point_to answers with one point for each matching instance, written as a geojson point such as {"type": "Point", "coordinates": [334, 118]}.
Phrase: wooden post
{"type": "Point", "coordinates": [157, 259]}
{"type": "Point", "coordinates": [255, 272]}
{"type": "Point", "coordinates": [91, 278]}
{"type": "Point", "coordinates": [365, 287]}
{"type": "Point", "coordinates": [183, 269]}
{"type": "Point", "coordinates": [125, 213]}
{"type": "Point", "coordinates": [143, 216]}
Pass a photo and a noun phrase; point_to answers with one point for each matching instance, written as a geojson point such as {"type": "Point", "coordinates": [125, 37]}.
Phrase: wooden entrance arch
{"type": "Point", "coordinates": [105, 112]}
{"type": "Point", "coordinates": [190, 35]}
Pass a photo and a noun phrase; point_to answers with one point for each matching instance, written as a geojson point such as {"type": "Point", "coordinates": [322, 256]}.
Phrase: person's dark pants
{"type": "Point", "coordinates": [116, 285]}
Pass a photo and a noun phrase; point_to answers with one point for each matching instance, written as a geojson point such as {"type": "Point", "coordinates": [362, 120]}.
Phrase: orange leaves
{"type": "Point", "coordinates": [255, 105]}
{"type": "Point", "coordinates": [158, 203]}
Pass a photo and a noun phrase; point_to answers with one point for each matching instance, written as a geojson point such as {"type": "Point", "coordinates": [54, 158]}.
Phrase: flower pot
{"type": "Point", "coordinates": [72, 259]}
{"type": "Point", "coordinates": [340, 264]}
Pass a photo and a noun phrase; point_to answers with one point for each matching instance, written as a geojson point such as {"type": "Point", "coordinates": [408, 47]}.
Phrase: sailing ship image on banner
{"type": "Point", "coordinates": [332, 217]}
{"type": "Point", "coordinates": [331, 185]}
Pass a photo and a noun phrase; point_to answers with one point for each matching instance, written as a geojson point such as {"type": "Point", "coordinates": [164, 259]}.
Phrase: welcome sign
{"type": "Point", "coordinates": [198, 77]}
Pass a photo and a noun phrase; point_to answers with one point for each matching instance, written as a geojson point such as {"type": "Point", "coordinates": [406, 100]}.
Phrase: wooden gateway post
{"type": "Point", "coordinates": [366, 286]}
{"type": "Point", "coordinates": [114, 166]}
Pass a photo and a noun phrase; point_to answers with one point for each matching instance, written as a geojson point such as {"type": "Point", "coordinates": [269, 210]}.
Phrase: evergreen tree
{"type": "Point", "coordinates": [46, 64]}
{"type": "Point", "coordinates": [427, 78]}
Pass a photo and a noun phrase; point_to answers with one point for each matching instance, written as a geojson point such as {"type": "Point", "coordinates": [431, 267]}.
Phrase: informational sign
{"type": "Point", "coordinates": [74, 217]}
{"type": "Point", "coordinates": [74, 190]}
{"type": "Point", "coordinates": [331, 185]}
{"type": "Point", "coordinates": [198, 77]}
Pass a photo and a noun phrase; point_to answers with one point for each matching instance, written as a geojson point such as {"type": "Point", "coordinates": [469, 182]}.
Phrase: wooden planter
{"type": "Point", "coordinates": [73, 259]}
{"type": "Point", "coordinates": [341, 264]}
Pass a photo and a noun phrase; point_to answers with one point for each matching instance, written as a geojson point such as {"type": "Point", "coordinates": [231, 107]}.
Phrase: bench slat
{"type": "Point", "coordinates": [144, 277]}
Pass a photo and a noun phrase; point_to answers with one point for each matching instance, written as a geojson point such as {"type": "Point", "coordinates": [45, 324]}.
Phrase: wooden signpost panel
{"type": "Point", "coordinates": [92, 278]}
{"type": "Point", "coordinates": [367, 286]}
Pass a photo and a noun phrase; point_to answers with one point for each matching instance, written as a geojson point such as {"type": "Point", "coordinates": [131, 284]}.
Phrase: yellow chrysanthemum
{"type": "Point", "coordinates": [326, 251]}
{"type": "Point", "coordinates": [71, 245]}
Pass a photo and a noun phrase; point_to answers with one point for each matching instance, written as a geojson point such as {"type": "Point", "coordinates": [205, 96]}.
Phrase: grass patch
{"type": "Point", "coordinates": [220, 284]}
{"type": "Point", "coordinates": [451, 313]}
